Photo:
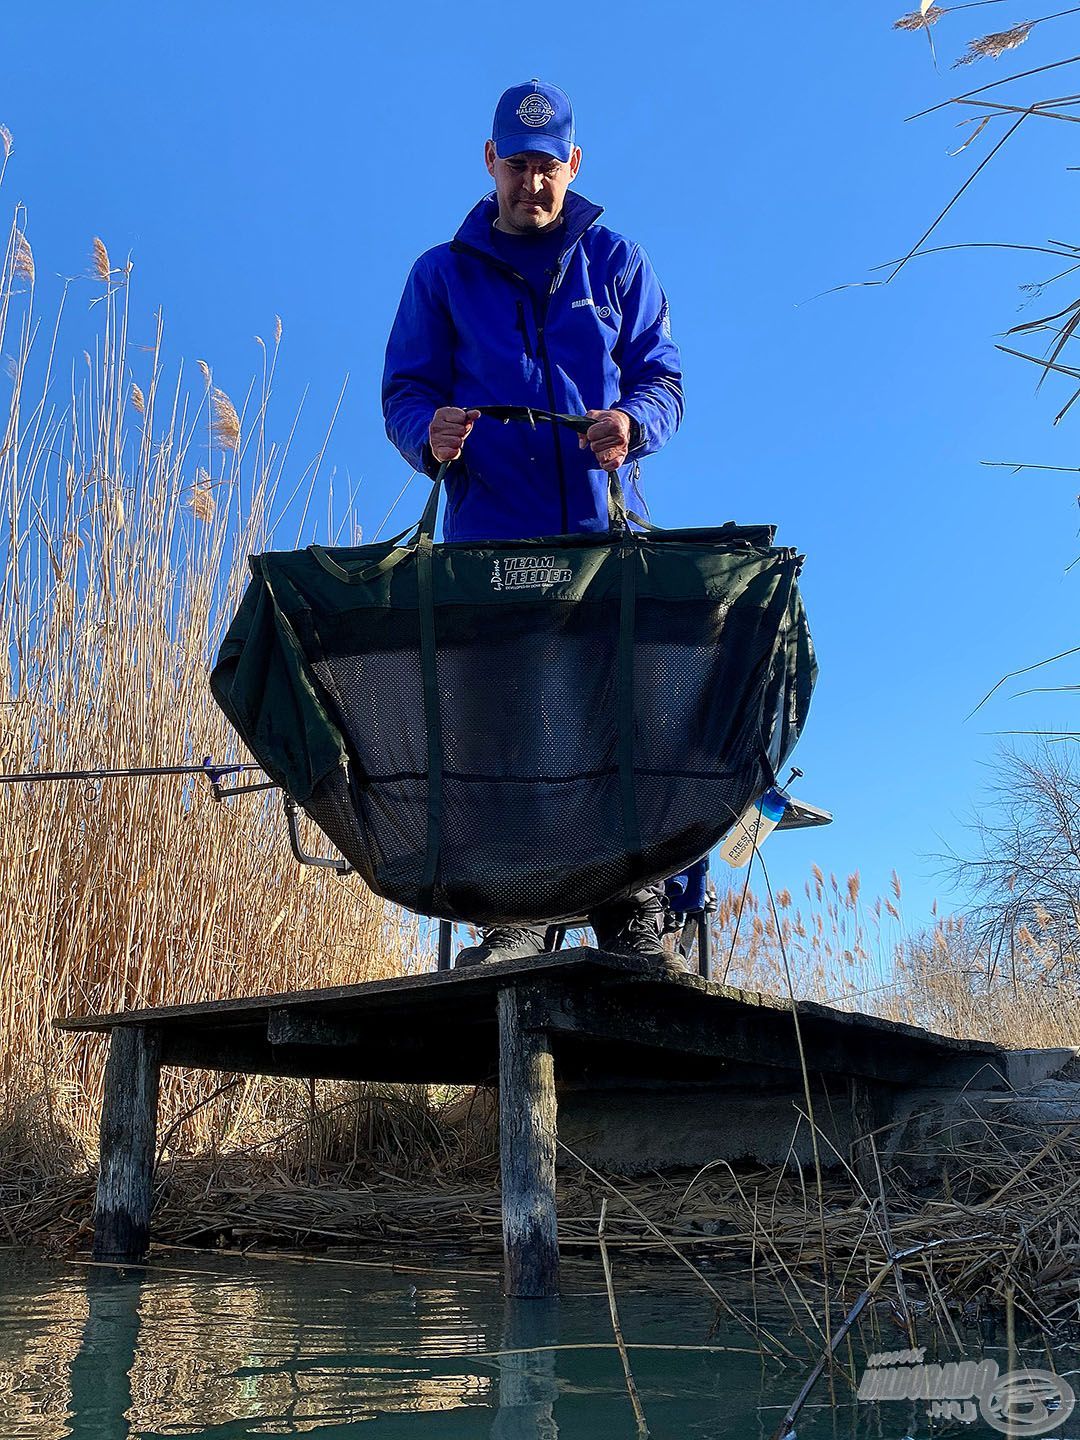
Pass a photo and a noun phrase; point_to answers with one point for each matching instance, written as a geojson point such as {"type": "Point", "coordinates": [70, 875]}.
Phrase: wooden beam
{"type": "Point", "coordinates": [128, 1137]}
{"type": "Point", "coordinates": [371, 1054]}
{"type": "Point", "coordinates": [723, 1029]}
{"type": "Point", "coordinates": [527, 1127]}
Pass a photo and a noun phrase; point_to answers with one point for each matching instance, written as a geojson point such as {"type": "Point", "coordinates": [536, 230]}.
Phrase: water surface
{"type": "Point", "coordinates": [220, 1347]}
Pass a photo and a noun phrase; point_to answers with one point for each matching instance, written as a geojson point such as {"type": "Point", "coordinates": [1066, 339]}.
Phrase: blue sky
{"type": "Point", "coordinates": [270, 158]}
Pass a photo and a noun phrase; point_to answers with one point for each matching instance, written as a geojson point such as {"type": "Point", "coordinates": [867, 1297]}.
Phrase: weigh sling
{"type": "Point", "coordinates": [518, 731]}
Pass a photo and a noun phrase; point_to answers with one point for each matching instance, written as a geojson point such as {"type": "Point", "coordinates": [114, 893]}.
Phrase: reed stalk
{"type": "Point", "coordinates": [129, 501]}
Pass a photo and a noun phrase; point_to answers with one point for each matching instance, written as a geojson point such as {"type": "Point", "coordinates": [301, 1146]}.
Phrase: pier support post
{"type": "Point", "coordinates": [527, 1119]}
{"type": "Point", "coordinates": [128, 1138]}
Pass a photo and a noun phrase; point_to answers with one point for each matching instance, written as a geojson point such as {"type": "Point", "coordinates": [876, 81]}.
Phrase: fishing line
{"type": "Point", "coordinates": [738, 922]}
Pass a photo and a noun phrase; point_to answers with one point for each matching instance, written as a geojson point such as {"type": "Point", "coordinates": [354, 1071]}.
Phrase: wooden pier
{"type": "Point", "coordinates": [575, 1022]}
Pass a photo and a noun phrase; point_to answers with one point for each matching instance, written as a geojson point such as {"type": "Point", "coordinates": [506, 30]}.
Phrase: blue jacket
{"type": "Point", "coordinates": [467, 332]}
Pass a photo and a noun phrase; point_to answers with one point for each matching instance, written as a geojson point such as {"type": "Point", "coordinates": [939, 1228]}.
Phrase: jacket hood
{"type": "Point", "coordinates": [475, 229]}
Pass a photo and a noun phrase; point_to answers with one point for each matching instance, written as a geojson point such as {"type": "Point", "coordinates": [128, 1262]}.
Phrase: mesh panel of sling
{"type": "Point", "coordinates": [519, 731]}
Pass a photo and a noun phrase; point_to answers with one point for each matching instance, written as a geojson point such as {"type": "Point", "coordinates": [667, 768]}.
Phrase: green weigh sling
{"type": "Point", "coordinates": [518, 731]}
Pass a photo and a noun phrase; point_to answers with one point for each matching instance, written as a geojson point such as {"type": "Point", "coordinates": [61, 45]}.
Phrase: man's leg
{"type": "Point", "coordinates": [504, 942]}
{"type": "Point", "coordinates": [633, 925]}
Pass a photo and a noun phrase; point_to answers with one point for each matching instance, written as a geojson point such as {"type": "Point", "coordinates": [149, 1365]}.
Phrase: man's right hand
{"type": "Point", "coordinates": [449, 430]}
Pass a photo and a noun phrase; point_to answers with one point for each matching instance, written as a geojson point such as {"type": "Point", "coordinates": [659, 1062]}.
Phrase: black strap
{"type": "Point", "coordinates": [618, 514]}
{"type": "Point", "coordinates": [628, 562]}
{"type": "Point", "coordinates": [432, 719]}
{"type": "Point", "coordinates": [426, 526]}
{"type": "Point", "coordinates": [618, 511]}
{"type": "Point", "coordinates": [577, 423]}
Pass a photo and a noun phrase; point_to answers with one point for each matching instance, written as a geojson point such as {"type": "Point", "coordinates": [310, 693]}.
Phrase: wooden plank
{"type": "Point", "coordinates": [432, 988]}
{"type": "Point", "coordinates": [475, 989]}
{"type": "Point", "coordinates": [128, 1138]}
{"type": "Point", "coordinates": [726, 1030]}
{"type": "Point", "coordinates": [527, 1127]}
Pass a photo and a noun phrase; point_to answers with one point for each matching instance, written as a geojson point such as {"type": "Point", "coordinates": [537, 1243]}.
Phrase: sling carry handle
{"type": "Point", "coordinates": [423, 534]}
{"type": "Point", "coordinates": [618, 514]}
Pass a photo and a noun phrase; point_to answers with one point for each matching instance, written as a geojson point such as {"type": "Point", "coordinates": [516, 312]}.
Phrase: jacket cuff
{"type": "Point", "coordinates": [428, 464]}
{"type": "Point", "coordinates": [637, 430]}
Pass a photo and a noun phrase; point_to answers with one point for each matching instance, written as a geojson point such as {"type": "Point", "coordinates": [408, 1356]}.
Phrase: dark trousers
{"type": "Point", "coordinates": [607, 920]}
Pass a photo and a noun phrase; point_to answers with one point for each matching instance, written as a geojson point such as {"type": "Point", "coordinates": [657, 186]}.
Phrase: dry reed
{"type": "Point", "coordinates": [858, 955]}
{"type": "Point", "coordinates": [993, 46]}
{"type": "Point", "coordinates": [124, 534]}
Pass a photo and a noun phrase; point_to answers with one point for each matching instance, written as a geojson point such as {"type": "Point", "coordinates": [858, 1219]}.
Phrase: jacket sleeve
{"type": "Point", "coordinates": [649, 362]}
{"type": "Point", "coordinates": [418, 372]}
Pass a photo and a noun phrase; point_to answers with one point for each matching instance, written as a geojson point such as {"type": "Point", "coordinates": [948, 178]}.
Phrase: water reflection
{"type": "Point", "coordinates": [101, 1370]}
{"type": "Point", "coordinates": [527, 1388]}
{"type": "Point", "coordinates": [224, 1348]}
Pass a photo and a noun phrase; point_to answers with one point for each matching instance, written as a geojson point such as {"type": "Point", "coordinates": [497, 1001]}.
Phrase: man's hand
{"type": "Point", "coordinates": [449, 430]}
{"type": "Point", "coordinates": [608, 436]}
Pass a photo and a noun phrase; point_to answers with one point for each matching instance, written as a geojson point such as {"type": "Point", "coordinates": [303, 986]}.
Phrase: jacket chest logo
{"type": "Point", "coordinates": [603, 311]}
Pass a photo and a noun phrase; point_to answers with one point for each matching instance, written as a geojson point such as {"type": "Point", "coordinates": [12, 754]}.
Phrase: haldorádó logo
{"type": "Point", "coordinates": [1020, 1402]}
{"type": "Point", "coordinates": [535, 110]}
{"type": "Point", "coordinates": [1028, 1402]}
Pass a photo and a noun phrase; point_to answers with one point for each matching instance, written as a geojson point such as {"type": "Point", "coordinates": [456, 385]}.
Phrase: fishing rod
{"type": "Point", "coordinates": [214, 773]}
{"type": "Point", "coordinates": [127, 772]}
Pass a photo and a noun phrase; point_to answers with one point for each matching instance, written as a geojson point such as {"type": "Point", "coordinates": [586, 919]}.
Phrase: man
{"type": "Point", "coordinates": [535, 303]}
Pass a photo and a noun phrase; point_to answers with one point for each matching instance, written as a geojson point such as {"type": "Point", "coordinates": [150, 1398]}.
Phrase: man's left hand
{"type": "Point", "coordinates": [608, 436]}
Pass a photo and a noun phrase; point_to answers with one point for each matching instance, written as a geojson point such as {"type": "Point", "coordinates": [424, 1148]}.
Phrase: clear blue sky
{"type": "Point", "coordinates": [274, 158]}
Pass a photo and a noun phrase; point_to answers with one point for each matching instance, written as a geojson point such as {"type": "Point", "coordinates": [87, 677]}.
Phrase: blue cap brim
{"type": "Point", "coordinates": [517, 144]}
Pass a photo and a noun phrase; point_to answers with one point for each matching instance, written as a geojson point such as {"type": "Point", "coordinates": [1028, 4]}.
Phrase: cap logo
{"type": "Point", "coordinates": [535, 110]}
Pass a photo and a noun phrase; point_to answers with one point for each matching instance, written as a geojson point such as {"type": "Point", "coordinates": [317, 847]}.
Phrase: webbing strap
{"type": "Point", "coordinates": [628, 560]}
{"type": "Point", "coordinates": [394, 556]}
{"type": "Point", "coordinates": [360, 577]}
{"type": "Point", "coordinates": [432, 720]}
{"type": "Point", "coordinates": [618, 512]}
{"type": "Point", "coordinates": [531, 413]}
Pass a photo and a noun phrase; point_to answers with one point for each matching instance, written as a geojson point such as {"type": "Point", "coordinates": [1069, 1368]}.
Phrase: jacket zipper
{"type": "Point", "coordinates": [541, 350]}
{"type": "Point", "coordinates": [524, 330]}
{"type": "Point", "coordinates": [540, 315]}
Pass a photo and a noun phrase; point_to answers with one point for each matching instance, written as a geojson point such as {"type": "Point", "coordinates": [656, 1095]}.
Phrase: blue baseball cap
{"type": "Point", "coordinates": [534, 117]}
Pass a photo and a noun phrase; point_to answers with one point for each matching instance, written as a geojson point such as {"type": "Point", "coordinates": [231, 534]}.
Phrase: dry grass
{"type": "Point", "coordinates": [127, 509]}
{"type": "Point", "coordinates": [387, 1171]}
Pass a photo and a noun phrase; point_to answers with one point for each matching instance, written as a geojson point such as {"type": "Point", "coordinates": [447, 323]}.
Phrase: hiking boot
{"type": "Point", "coordinates": [635, 926]}
{"type": "Point", "coordinates": [504, 942]}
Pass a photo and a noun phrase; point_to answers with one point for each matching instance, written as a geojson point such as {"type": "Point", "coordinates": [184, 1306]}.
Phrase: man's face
{"type": "Point", "coordinates": [531, 187]}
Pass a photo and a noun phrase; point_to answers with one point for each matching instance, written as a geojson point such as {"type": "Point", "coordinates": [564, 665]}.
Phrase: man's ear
{"type": "Point", "coordinates": [489, 156]}
{"type": "Point", "coordinates": [575, 161]}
